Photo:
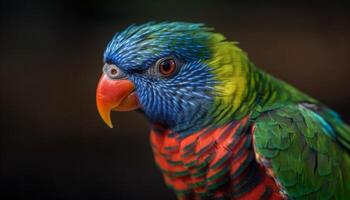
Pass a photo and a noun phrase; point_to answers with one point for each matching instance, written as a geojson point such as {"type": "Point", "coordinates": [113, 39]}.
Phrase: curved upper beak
{"type": "Point", "coordinates": [115, 95]}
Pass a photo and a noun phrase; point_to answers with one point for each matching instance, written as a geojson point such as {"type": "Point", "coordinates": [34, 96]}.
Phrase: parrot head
{"type": "Point", "coordinates": [181, 75]}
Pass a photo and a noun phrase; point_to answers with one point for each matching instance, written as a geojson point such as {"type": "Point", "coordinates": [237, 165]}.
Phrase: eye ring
{"type": "Point", "coordinates": [167, 66]}
{"type": "Point", "coordinates": [113, 72]}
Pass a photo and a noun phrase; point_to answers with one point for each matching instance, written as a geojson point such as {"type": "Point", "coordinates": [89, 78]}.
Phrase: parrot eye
{"type": "Point", "coordinates": [167, 66]}
{"type": "Point", "coordinates": [113, 71]}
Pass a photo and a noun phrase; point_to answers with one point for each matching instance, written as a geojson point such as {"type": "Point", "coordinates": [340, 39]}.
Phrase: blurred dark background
{"type": "Point", "coordinates": [53, 143]}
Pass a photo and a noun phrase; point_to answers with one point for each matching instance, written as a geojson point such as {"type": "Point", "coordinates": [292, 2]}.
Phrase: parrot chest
{"type": "Point", "coordinates": [212, 163]}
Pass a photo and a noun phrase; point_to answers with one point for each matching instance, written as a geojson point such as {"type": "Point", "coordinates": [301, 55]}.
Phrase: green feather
{"type": "Point", "coordinates": [307, 161]}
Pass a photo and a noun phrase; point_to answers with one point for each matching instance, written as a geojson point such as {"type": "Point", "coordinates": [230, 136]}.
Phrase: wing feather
{"type": "Point", "coordinates": [307, 149]}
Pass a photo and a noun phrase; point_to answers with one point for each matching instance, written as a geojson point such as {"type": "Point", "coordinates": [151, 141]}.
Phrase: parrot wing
{"type": "Point", "coordinates": [306, 149]}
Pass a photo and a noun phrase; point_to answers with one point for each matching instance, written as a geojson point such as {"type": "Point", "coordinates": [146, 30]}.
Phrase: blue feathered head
{"type": "Point", "coordinates": [169, 66]}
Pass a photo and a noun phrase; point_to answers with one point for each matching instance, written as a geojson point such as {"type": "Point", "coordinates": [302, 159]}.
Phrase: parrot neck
{"type": "Point", "coordinates": [254, 94]}
{"type": "Point", "coordinates": [242, 88]}
{"type": "Point", "coordinates": [272, 93]}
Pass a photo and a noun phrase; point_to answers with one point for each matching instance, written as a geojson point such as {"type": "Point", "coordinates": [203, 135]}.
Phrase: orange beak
{"type": "Point", "coordinates": [116, 95]}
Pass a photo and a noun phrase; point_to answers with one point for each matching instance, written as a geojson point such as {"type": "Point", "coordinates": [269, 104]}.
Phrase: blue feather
{"type": "Point", "coordinates": [181, 101]}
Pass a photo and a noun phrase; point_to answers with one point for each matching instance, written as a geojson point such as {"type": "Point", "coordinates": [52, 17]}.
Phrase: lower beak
{"type": "Point", "coordinates": [115, 95]}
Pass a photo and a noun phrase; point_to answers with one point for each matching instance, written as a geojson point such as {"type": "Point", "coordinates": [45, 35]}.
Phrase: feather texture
{"type": "Point", "coordinates": [302, 149]}
{"type": "Point", "coordinates": [224, 129]}
{"type": "Point", "coordinates": [213, 163]}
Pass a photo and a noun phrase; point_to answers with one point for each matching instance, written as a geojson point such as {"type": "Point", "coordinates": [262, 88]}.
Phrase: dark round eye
{"type": "Point", "coordinates": [113, 71]}
{"type": "Point", "coordinates": [167, 67]}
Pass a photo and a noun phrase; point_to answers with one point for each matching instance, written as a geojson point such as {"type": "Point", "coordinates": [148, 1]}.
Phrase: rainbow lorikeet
{"type": "Point", "coordinates": [220, 127]}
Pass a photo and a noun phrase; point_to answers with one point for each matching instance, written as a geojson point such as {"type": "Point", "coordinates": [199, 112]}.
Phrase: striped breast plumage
{"type": "Point", "coordinates": [213, 163]}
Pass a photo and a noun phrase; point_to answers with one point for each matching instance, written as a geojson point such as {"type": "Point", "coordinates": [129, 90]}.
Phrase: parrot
{"type": "Point", "coordinates": [220, 127]}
